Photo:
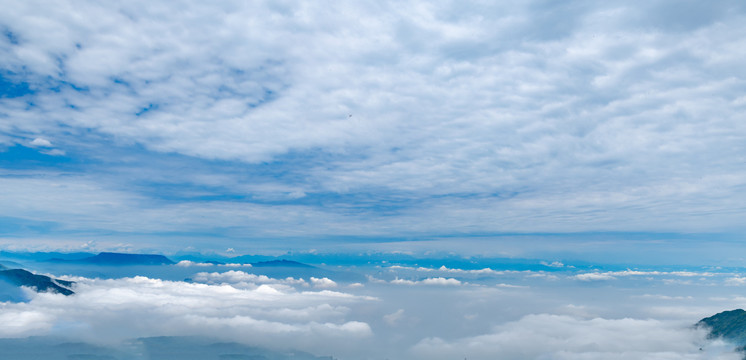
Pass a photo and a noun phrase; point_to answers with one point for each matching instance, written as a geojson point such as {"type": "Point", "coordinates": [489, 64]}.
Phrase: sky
{"type": "Point", "coordinates": [282, 125]}
{"type": "Point", "coordinates": [602, 141]}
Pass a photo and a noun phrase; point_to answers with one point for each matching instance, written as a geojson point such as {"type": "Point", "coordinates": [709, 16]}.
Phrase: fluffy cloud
{"type": "Point", "coordinates": [323, 283]}
{"type": "Point", "coordinates": [41, 142]}
{"type": "Point", "coordinates": [244, 279]}
{"type": "Point", "coordinates": [21, 323]}
{"type": "Point", "coordinates": [529, 318]}
{"type": "Point", "coordinates": [565, 337]}
{"type": "Point", "coordinates": [188, 263]}
{"type": "Point", "coordinates": [445, 269]}
{"type": "Point", "coordinates": [270, 313]}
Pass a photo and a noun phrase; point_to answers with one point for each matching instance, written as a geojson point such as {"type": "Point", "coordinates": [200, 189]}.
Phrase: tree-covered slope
{"type": "Point", "coordinates": [20, 277]}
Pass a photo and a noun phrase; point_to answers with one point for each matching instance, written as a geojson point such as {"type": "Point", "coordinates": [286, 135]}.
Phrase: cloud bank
{"type": "Point", "coordinates": [546, 336]}
{"type": "Point", "coordinates": [636, 314]}
{"type": "Point", "coordinates": [254, 310]}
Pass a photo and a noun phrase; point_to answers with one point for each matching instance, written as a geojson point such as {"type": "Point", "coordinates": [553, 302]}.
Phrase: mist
{"type": "Point", "coordinates": [388, 311]}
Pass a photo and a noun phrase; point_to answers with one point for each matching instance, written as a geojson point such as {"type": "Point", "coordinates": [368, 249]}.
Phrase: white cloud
{"type": "Point", "coordinates": [595, 276]}
{"type": "Point", "coordinates": [564, 337]}
{"type": "Point", "coordinates": [41, 142]}
{"type": "Point", "coordinates": [612, 118]}
{"type": "Point", "coordinates": [244, 279]}
{"type": "Point", "coordinates": [398, 281]}
{"type": "Point", "coordinates": [445, 269]}
{"type": "Point", "coordinates": [736, 281]}
{"type": "Point", "coordinates": [273, 315]}
{"type": "Point", "coordinates": [23, 323]}
{"type": "Point", "coordinates": [556, 264]}
{"type": "Point", "coordinates": [236, 265]}
{"type": "Point", "coordinates": [393, 318]}
{"type": "Point", "coordinates": [439, 281]}
{"type": "Point", "coordinates": [54, 152]}
{"type": "Point", "coordinates": [611, 275]}
{"type": "Point", "coordinates": [323, 283]}
{"type": "Point", "coordinates": [487, 319]}
{"type": "Point", "coordinates": [511, 286]}
{"type": "Point", "coordinates": [188, 263]}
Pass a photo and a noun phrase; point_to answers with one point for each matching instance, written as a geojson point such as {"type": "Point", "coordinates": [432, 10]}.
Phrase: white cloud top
{"type": "Point", "coordinates": [565, 337]}
{"type": "Point", "coordinates": [270, 313]}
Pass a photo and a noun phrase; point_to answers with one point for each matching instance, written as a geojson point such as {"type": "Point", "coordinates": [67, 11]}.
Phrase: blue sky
{"type": "Point", "coordinates": [291, 125]}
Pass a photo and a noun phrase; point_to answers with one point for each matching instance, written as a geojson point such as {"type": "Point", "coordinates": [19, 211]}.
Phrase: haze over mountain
{"type": "Point", "coordinates": [111, 258]}
{"type": "Point", "coordinates": [280, 263]}
{"type": "Point", "coordinates": [155, 348]}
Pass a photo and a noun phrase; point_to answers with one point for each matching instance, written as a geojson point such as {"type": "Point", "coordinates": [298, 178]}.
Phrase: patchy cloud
{"type": "Point", "coordinates": [235, 278]}
{"type": "Point", "coordinates": [594, 276]}
{"type": "Point", "coordinates": [405, 120]}
{"type": "Point", "coordinates": [41, 142]}
{"type": "Point", "coordinates": [611, 275]}
{"type": "Point", "coordinates": [736, 281]}
{"type": "Point", "coordinates": [393, 318]}
{"type": "Point", "coordinates": [428, 281]}
{"type": "Point", "coordinates": [323, 283]}
{"type": "Point", "coordinates": [188, 263]}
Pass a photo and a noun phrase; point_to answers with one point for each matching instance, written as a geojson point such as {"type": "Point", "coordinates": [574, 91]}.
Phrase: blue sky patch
{"type": "Point", "coordinates": [10, 87]}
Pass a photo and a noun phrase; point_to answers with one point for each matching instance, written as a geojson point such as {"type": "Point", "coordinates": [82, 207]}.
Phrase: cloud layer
{"type": "Point", "coordinates": [565, 337]}
{"type": "Point", "coordinates": [627, 314]}
{"type": "Point", "coordinates": [377, 119]}
{"type": "Point", "coordinates": [255, 310]}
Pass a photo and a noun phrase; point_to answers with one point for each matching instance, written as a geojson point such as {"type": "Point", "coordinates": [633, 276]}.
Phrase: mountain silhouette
{"type": "Point", "coordinates": [20, 277]}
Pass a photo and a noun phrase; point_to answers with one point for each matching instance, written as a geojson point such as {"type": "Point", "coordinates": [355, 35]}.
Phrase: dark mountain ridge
{"type": "Point", "coordinates": [20, 277]}
{"type": "Point", "coordinates": [727, 325]}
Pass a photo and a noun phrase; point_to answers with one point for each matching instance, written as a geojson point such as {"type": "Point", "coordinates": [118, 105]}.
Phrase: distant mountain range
{"type": "Point", "coordinates": [20, 277]}
{"type": "Point", "coordinates": [728, 325]}
{"type": "Point", "coordinates": [10, 265]}
{"type": "Point", "coordinates": [281, 263]}
{"type": "Point", "coordinates": [110, 258]}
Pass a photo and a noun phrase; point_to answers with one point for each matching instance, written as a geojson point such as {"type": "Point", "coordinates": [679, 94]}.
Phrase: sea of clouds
{"type": "Point", "coordinates": [399, 312]}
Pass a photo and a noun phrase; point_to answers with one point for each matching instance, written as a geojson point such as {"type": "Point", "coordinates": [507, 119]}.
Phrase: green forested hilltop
{"type": "Point", "coordinates": [729, 325]}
